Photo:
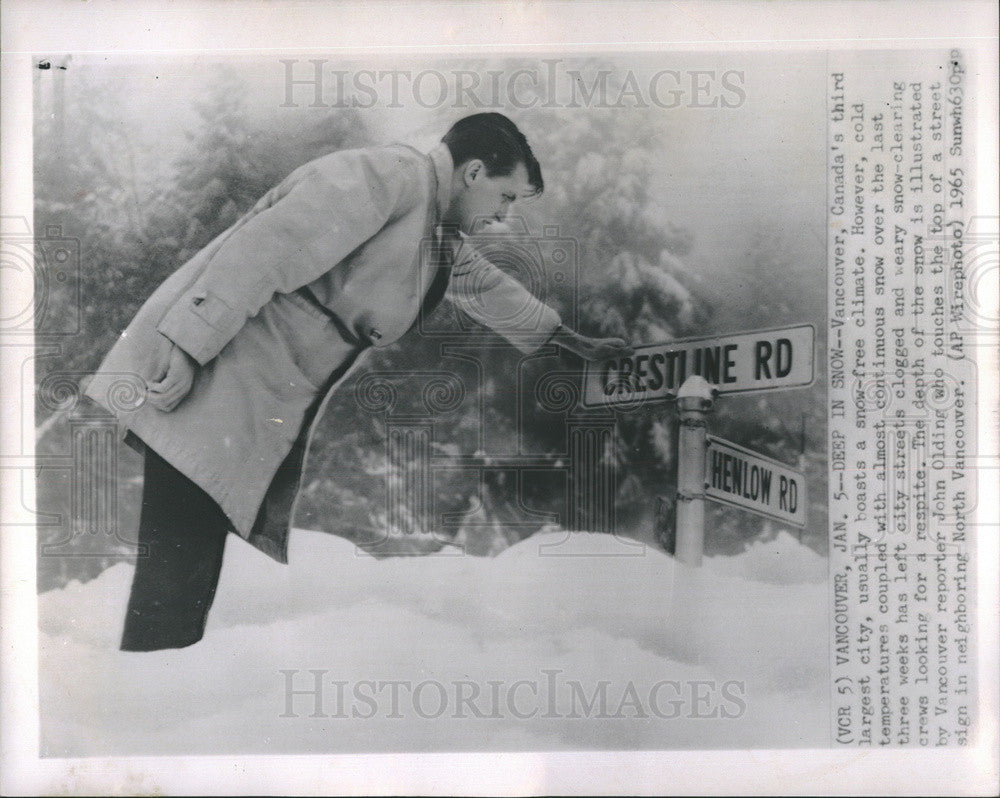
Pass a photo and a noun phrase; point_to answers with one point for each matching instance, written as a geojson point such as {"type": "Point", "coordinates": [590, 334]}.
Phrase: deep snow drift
{"type": "Point", "coordinates": [730, 655]}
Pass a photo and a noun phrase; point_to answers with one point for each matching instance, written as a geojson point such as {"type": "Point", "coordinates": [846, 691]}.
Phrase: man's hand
{"type": "Point", "coordinates": [593, 349]}
{"type": "Point", "coordinates": [172, 375]}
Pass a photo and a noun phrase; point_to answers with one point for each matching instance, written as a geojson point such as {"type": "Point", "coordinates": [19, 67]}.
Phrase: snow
{"type": "Point", "coordinates": [781, 561]}
{"type": "Point", "coordinates": [555, 609]}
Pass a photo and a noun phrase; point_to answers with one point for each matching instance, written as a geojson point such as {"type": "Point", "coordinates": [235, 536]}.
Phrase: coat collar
{"type": "Point", "coordinates": [443, 167]}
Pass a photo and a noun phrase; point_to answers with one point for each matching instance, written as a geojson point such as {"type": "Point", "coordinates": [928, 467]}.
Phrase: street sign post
{"type": "Point", "coordinates": [694, 404]}
{"type": "Point", "coordinates": [752, 361]}
{"type": "Point", "coordinates": [693, 371]}
{"type": "Point", "coordinates": [750, 481]}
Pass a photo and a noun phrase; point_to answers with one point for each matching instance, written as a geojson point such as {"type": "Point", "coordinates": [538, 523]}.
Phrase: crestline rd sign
{"type": "Point", "coordinates": [753, 361]}
{"type": "Point", "coordinates": [750, 481]}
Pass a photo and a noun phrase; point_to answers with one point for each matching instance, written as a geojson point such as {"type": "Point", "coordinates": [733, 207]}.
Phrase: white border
{"type": "Point", "coordinates": [44, 26]}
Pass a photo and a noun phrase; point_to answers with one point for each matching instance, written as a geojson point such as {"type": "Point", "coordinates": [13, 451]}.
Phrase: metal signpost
{"type": "Point", "coordinates": [694, 371]}
{"type": "Point", "coordinates": [694, 403]}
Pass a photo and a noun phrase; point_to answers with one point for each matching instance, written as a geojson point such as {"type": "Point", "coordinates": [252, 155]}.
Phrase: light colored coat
{"type": "Point", "coordinates": [280, 308]}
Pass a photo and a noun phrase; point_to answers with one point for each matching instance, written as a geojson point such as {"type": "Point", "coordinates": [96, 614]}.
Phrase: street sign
{"type": "Point", "coordinates": [764, 360]}
{"type": "Point", "coordinates": [742, 478]}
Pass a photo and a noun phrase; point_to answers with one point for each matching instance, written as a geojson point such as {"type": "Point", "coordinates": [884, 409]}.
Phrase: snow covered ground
{"type": "Point", "coordinates": [730, 655]}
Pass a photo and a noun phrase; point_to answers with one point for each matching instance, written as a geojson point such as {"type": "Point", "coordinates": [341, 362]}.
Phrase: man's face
{"type": "Point", "coordinates": [481, 200]}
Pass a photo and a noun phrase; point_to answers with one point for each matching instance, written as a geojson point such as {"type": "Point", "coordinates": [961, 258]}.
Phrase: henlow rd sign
{"type": "Point", "coordinates": [753, 361]}
{"type": "Point", "coordinates": [750, 481]}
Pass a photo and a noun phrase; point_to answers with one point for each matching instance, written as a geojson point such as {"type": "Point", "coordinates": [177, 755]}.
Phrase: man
{"type": "Point", "coordinates": [242, 346]}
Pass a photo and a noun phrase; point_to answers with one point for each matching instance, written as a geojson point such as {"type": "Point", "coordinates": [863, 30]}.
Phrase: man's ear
{"type": "Point", "coordinates": [473, 170]}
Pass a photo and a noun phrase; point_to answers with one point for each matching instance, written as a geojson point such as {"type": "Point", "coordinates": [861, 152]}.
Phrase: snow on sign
{"type": "Point", "coordinates": [752, 361]}
{"type": "Point", "coordinates": [750, 481]}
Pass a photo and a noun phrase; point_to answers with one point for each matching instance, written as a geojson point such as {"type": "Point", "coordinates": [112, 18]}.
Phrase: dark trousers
{"type": "Point", "coordinates": [182, 535]}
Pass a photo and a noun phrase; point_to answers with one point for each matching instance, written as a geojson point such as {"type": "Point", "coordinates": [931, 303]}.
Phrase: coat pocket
{"type": "Point", "coordinates": [305, 338]}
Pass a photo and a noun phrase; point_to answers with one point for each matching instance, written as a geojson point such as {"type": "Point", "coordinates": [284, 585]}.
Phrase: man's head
{"type": "Point", "coordinates": [494, 166]}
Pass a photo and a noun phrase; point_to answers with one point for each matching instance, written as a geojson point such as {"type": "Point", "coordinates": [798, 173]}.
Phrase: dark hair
{"type": "Point", "coordinates": [496, 141]}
